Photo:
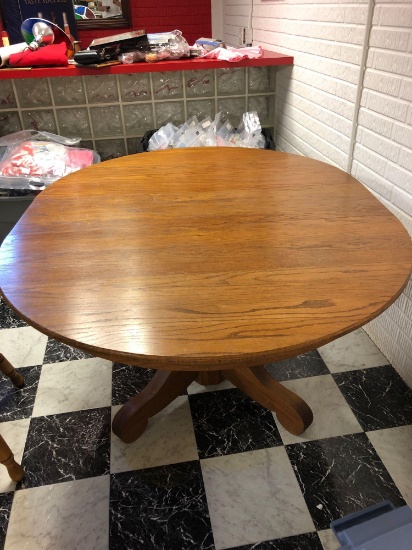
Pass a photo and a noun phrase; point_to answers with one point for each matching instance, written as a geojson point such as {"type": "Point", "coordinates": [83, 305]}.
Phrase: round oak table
{"type": "Point", "coordinates": [204, 263]}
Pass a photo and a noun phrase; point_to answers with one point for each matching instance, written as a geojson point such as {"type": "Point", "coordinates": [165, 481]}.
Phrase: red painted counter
{"type": "Point", "coordinates": [192, 64]}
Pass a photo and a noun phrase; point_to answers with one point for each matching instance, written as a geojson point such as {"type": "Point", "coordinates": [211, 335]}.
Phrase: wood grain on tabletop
{"type": "Point", "coordinates": [204, 258]}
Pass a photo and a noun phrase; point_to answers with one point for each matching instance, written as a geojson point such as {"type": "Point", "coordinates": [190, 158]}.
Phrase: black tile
{"type": "Point", "coordinates": [228, 422]}
{"type": "Point", "coordinates": [378, 397]}
{"type": "Point", "coordinates": [9, 319]}
{"type": "Point", "coordinates": [308, 541]}
{"type": "Point", "coordinates": [341, 475]}
{"type": "Point", "coordinates": [18, 403]}
{"type": "Point", "coordinates": [6, 500]}
{"type": "Point", "coordinates": [68, 446]}
{"type": "Point", "coordinates": [57, 352]}
{"type": "Point", "coordinates": [127, 381]}
{"type": "Point", "coordinates": [160, 508]}
{"type": "Point", "coordinates": [302, 366]}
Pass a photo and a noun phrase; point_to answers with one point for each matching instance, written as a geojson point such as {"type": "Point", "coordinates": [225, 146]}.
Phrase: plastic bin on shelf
{"type": "Point", "coordinates": [379, 527]}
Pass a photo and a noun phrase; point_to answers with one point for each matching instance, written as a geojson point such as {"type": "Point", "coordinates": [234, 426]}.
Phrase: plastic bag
{"type": "Point", "coordinates": [234, 54]}
{"type": "Point", "coordinates": [162, 138]}
{"type": "Point", "coordinates": [249, 132]}
{"type": "Point", "coordinates": [210, 133]}
{"type": "Point", "coordinates": [225, 135]}
{"type": "Point", "coordinates": [24, 135]}
{"type": "Point", "coordinates": [35, 164]}
{"type": "Point", "coordinates": [127, 58]}
{"type": "Point", "coordinates": [183, 128]}
{"type": "Point", "coordinates": [163, 46]}
{"type": "Point", "coordinates": [194, 136]}
{"type": "Point", "coordinates": [210, 137]}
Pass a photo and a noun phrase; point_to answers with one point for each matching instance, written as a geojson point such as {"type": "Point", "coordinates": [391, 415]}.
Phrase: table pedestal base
{"type": "Point", "coordinates": [292, 412]}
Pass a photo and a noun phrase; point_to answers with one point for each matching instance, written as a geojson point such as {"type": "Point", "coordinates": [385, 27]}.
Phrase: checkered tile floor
{"type": "Point", "coordinates": [213, 470]}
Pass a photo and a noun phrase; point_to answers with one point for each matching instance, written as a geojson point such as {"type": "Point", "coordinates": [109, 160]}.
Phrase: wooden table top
{"type": "Point", "coordinates": [204, 258]}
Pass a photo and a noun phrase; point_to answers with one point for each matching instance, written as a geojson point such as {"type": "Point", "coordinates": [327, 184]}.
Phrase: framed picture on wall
{"type": "Point", "coordinates": [102, 13]}
{"type": "Point", "coordinates": [16, 11]}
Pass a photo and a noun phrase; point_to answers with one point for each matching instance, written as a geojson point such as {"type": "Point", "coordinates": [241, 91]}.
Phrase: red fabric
{"type": "Point", "coordinates": [53, 54]}
{"type": "Point", "coordinates": [79, 158]}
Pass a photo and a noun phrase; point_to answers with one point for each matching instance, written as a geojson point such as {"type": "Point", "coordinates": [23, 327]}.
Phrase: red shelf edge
{"type": "Point", "coordinates": [269, 59]}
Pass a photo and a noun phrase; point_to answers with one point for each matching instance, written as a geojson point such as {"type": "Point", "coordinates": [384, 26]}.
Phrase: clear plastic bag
{"type": "Point", "coordinates": [249, 132]}
{"type": "Point", "coordinates": [194, 136]}
{"type": "Point", "coordinates": [127, 58]}
{"type": "Point", "coordinates": [225, 135]}
{"type": "Point", "coordinates": [24, 135]}
{"type": "Point", "coordinates": [164, 46]}
{"type": "Point", "coordinates": [210, 133]}
{"type": "Point", "coordinates": [210, 137]}
{"type": "Point", "coordinates": [205, 124]}
{"type": "Point", "coordinates": [162, 138]}
{"type": "Point", "coordinates": [183, 128]}
{"type": "Point", "coordinates": [36, 163]}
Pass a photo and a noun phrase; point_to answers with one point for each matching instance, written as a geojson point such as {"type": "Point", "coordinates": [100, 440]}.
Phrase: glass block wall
{"type": "Point", "coordinates": [112, 112]}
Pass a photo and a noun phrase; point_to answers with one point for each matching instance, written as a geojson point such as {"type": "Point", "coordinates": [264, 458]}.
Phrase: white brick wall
{"type": "Point", "coordinates": [315, 107]}
{"type": "Point", "coordinates": [385, 131]}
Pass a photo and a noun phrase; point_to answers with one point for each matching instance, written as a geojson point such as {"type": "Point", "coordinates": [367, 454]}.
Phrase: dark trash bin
{"type": "Point", "coordinates": [143, 145]}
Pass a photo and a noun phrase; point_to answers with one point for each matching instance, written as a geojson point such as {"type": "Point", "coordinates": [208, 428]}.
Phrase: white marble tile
{"type": "Point", "coordinates": [352, 351]}
{"type": "Point", "coordinates": [15, 435]}
{"type": "Point", "coordinates": [394, 447]}
{"type": "Point", "coordinates": [169, 438]}
{"type": "Point", "coordinates": [71, 515]}
{"type": "Point", "coordinates": [332, 416]}
{"type": "Point", "coordinates": [73, 386]}
{"type": "Point", "coordinates": [199, 388]}
{"type": "Point", "coordinates": [254, 496]}
{"type": "Point", "coordinates": [328, 540]}
{"type": "Point", "coordinates": [24, 346]}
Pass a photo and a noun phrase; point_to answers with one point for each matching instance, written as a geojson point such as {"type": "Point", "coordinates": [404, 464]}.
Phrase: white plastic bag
{"type": "Point", "coordinates": [174, 142]}
{"type": "Point", "coordinates": [36, 163]}
{"type": "Point", "coordinates": [162, 138]}
{"type": "Point", "coordinates": [24, 135]}
{"type": "Point", "coordinates": [210, 133]}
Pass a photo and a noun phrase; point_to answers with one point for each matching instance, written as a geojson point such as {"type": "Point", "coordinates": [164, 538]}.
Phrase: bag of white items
{"type": "Point", "coordinates": [34, 160]}
{"type": "Point", "coordinates": [210, 133]}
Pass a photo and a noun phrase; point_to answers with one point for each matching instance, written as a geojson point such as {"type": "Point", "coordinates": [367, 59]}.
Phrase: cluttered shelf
{"type": "Point", "coordinates": [185, 64]}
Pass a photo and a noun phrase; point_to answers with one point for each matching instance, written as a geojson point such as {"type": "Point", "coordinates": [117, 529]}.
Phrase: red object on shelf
{"type": "Point", "coordinates": [184, 64]}
{"type": "Point", "coordinates": [53, 54]}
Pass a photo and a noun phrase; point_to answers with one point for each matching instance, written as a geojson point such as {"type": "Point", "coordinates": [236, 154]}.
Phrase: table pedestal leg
{"type": "Point", "coordinates": [209, 378]}
{"type": "Point", "coordinates": [131, 420]}
{"type": "Point", "coordinates": [292, 412]}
